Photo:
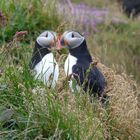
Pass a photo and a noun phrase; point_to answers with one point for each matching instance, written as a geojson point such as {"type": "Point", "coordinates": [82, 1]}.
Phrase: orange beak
{"type": "Point", "coordinates": [61, 42]}
{"type": "Point", "coordinates": [58, 43]}
{"type": "Point", "coordinates": [52, 43]}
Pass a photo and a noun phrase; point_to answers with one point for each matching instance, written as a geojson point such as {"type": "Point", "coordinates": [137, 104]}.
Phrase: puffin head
{"type": "Point", "coordinates": [46, 39]}
{"type": "Point", "coordinates": [71, 40]}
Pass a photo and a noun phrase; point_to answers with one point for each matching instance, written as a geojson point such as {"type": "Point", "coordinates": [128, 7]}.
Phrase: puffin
{"type": "Point", "coordinates": [43, 62]}
{"type": "Point", "coordinates": [131, 7]}
{"type": "Point", "coordinates": [78, 65]}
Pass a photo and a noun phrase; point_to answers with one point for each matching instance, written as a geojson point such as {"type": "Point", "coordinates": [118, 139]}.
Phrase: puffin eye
{"type": "Point", "coordinates": [72, 35]}
{"type": "Point", "coordinates": [47, 35]}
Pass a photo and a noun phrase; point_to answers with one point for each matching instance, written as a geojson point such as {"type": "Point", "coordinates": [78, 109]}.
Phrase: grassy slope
{"type": "Point", "coordinates": [39, 112]}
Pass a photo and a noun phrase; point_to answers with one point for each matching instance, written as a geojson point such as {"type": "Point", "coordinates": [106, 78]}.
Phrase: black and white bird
{"type": "Point", "coordinates": [131, 7]}
{"type": "Point", "coordinates": [43, 61]}
{"type": "Point", "coordinates": [78, 64]}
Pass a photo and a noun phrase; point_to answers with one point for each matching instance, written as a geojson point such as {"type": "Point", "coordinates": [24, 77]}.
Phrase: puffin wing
{"type": "Point", "coordinates": [78, 73]}
{"type": "Point", "coordinates": [90, 79]}
{"type": "Point", "coordinates": [96, 81]}
{"type": "Point", "coordinates": [35, 59]}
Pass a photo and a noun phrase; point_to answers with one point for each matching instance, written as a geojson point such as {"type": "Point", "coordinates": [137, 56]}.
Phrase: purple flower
{"type": "Point", "coordinates": [87, 17]}
{"type": "Point", "coordinates": [21, 33]}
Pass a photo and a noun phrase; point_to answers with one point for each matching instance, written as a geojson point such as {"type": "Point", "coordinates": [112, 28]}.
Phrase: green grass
{"type": "Point", "coordinates": [37, 112]}
{"type": "Point", "coordinates": [118, 47]}
{"type": "Point", "coordinates": [32, 16]}
{"type": "Point", "coordinates": [95, 3]}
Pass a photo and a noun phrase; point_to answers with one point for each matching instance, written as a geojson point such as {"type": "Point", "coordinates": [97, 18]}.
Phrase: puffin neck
{"type": "Point", "coordinates": [81, 51]}
{"type": "Point", "coordinates": [38, 54]}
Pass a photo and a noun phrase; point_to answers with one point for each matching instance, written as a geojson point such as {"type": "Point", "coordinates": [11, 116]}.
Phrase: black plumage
{"type": "Point", "coordinates": [38, 53]}
{"type": "Point", "coordinates": [131, 7]}
{"type": "Point", "coordinates": [89, 77]}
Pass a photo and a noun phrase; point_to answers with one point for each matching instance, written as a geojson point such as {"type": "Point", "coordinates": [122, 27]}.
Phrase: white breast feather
{"type": "Point", "coordinates": [69, 63]}
{"type": "Point", "coordinates": [46, 68]}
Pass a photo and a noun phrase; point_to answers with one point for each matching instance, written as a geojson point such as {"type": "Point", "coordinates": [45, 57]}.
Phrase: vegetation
{"type": "Point", "coordinates": [30, 110]}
